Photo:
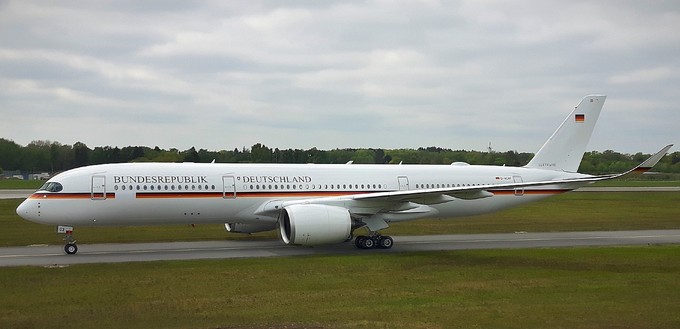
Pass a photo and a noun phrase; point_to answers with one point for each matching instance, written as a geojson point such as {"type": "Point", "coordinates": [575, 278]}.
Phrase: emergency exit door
{"type": "Point", "coordinates": [403, 183]}
{"type": "Point", "coordinates": [229, 187]}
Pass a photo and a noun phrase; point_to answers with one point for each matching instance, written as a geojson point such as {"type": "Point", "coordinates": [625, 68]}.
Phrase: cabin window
{"type": "Point", "coordinates": [115, 187]}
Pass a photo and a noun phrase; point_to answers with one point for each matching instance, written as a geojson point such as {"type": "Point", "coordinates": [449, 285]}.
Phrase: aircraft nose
{"type": "Point", "coordinates": [27, 210]}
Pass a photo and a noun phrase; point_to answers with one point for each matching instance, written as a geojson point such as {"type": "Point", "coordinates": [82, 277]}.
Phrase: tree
{"type": "Point", "coordinates": [191, 155]}
{"type": "Point", "coordinates": [81, 154]}
{"type": "Point", "coordinates": [364, 156]}
{"type": "Point", "coordinates": [10, 154]}
{"type": "Point", "coordinates": [261, 153]}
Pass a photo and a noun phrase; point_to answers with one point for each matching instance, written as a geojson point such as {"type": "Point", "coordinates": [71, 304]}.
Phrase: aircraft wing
{"type": "Point", "coordinates": [371, 203]}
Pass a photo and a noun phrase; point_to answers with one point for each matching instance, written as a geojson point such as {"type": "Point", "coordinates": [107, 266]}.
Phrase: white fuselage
{"type": "Point", "coordinates": [175, 193]}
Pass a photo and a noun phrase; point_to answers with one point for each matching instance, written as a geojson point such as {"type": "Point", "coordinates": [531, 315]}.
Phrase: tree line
{"type": "Point", "coordinates": [52, 157]}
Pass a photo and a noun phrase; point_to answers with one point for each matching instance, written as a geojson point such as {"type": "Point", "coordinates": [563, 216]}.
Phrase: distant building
{"type": "Point", "coordinates": [40, 176]}
{"type": "Point", "coordinates": [13, 174]}
{"type": "Point", "coordinates": [18, 174]}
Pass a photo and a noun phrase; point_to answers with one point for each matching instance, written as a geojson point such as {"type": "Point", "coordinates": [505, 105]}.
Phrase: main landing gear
{"type": "Point", "coordinates": [374, 240]}
{"type": "Point", "coordinates": [70, 247]}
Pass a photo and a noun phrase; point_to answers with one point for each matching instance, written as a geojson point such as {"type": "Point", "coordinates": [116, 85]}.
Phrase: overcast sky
{"type": "Point", "coordinates": [301, 74]}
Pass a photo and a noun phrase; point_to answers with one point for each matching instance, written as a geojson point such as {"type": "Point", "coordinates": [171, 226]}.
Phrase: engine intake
{"type": "Point", "coordinates": [310, 224]}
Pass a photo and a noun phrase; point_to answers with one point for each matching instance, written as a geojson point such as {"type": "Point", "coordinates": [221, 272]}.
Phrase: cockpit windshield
{"type": "Point", "coordinates": [51, 187]}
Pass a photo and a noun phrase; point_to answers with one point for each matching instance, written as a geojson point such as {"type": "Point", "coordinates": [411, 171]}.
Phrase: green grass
{"type": "Point", "coordinates": [637, 183]}
{"type": "Point", "coordinates": [613, 287]}
{"type": "Point", "coordinates": [14, 184]}
{"type": "Point", "coordinates": [577, 211]}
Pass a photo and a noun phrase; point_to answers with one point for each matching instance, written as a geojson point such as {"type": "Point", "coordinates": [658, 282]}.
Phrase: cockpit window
{"type": "Point", "coordinates": [52, 187]}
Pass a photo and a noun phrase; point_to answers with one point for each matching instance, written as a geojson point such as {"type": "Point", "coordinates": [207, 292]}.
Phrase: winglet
{"type": "Point", "coordinates": [650, 162]}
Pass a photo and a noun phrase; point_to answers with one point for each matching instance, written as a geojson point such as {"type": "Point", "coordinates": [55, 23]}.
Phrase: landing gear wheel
{"type": "Point", "coordinates": [368, 243]}
{"type": "Point", "coordinates": [359, 242]}
{"type": "Point", "coordinates": [71, 248]}
{"type": "Point", "coordinates": [385, 242]}
{"type": "Point", "coordinates": [364, 242]}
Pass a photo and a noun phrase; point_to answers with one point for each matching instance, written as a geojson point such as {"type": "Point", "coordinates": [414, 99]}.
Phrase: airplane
{"type": "Point", "coordinates": [313, 204]}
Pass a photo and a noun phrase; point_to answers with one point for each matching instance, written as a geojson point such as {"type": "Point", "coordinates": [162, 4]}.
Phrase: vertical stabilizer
{"type": "Point", "coordinates": [564, 149]}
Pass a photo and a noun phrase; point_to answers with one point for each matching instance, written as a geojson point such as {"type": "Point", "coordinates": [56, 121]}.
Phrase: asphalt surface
{"type": "Point", "coordinates": [140, 252]}
{"type": "Point", "coordinates": [15, 194]}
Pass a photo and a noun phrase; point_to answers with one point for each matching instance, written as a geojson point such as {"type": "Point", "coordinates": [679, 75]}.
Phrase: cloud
{"type": "Point", "coordinates": [395, 74]}
{"type": "Point", "coordinates": [639, 76]}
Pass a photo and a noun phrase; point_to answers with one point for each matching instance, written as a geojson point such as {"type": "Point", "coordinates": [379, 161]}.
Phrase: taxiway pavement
{"type": "Point", "coordinates": [137, 252]}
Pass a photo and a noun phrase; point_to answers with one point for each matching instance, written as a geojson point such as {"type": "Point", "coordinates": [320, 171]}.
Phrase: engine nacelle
{"type": "Point", "coordinates": [249, 228]}
{"type": "Point", "coordinates": [311, 224]}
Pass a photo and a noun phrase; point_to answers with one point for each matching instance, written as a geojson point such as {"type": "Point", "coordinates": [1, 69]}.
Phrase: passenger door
{"type": "Point", "coordinates": [98, 191]}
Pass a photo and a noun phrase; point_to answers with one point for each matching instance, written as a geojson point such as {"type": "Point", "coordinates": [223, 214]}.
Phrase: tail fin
{"type": "Point", "coordinates": [564, 149]}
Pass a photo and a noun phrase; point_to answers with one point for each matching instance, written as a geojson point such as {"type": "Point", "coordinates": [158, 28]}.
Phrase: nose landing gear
{"type": "Point", "coordinates": [70, 247]}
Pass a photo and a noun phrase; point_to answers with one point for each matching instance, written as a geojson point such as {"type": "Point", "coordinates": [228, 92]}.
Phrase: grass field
{"type": "Point", "coordinates": [14, 184]}
{"type": "Point", "coordinates": [623, 287]}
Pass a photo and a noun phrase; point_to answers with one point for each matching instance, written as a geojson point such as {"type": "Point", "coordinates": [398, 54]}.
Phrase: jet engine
{"type": "Point", "coordinates": [249, 228]}
{"type": "Point", "coordinates": [310, 224]}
